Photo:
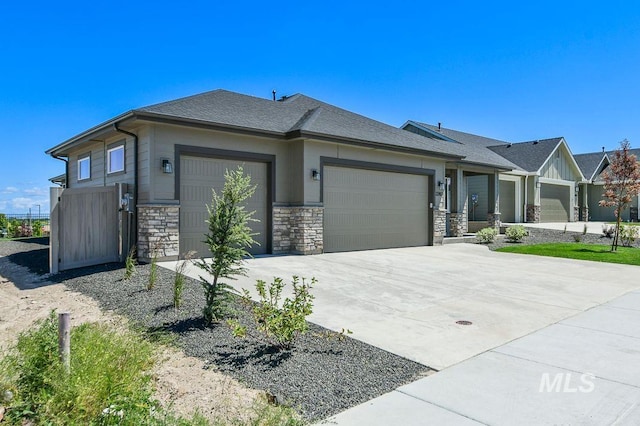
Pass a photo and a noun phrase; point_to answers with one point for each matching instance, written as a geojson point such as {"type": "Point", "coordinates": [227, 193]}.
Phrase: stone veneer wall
{"type": "Point", "coordinates": [458, 224]}
{"type": "Point", "coordinates": [159, 231]}
{"type": "Point", "coordinates": [493, 219]}
{"type": "Point", "coordinates": [533, 213]}
{"type": "Point", "coordinates": [576, 213]}
{"type": "Point", "coordinates": [439, 225]}
{"type": "Point", "coordinates": [298, 230]}
{"type": "Point", "coordinates": [585, 214]}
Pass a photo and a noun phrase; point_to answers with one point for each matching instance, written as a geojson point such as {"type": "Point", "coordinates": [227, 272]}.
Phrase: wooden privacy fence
{"type": "Point", "coordinates": [87, 227]}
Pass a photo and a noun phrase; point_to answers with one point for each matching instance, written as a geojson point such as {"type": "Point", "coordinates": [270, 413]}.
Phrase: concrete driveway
{"type": "Point", "coordinates": [407, 300]}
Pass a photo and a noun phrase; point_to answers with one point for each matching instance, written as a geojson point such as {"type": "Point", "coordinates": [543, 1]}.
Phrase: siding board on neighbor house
{"type": "Point", "coordinates": [507, 201]}
{"type": "Point", "coordinates": [559, 166]}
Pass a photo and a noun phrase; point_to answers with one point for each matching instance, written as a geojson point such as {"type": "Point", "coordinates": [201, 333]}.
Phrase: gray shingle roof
{"type": "Point", "coordinates": [297, 114]}
{"type": "Point", "coordinates": [529, 156]}
{"type": "Point", "coordinates": [475, 146]}
{"type": "Point", "coordinates": [589, 163]}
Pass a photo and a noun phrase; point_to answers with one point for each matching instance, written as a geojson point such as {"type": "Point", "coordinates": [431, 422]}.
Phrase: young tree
{"type": "Point", "coordinates": [228, 239]}
{"type": "Point", "coordinates": [621, 184]}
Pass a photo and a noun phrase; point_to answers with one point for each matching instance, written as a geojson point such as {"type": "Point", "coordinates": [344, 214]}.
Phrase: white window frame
{"type": "Point", "coordinates": [111, 150]}
{"type": "Point", "coordinates": [81, 160]}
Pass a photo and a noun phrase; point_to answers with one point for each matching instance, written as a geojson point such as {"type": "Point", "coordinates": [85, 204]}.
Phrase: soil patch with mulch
{"type": "Point", "coordinates": [321, 376]}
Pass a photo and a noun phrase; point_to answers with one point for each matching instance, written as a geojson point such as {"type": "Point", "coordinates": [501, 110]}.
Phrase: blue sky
{"type": "Point", "coordinates": [506, 70]}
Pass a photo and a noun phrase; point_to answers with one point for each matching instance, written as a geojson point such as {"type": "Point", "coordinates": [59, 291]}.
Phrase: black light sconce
{"type": "Point", "coordinates": [441, 185]}
{"type": "Point", "coordinates": [167, 167]}
{"type": "Point", "coordinates": [315, 175]}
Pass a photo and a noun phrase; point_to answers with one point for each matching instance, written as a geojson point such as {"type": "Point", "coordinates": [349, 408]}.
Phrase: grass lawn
{"type": "Point", "coordinates": [597, 253]}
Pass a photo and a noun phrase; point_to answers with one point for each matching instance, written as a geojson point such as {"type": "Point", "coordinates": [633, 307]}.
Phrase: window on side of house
{"type": "Point", "coordinates": [84, 168]}
{"type": "Point", "coordinates": [115, 159]}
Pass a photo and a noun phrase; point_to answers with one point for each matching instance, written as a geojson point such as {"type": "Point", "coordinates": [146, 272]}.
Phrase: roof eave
{"type": "Point", "coordinates": [88, 134]}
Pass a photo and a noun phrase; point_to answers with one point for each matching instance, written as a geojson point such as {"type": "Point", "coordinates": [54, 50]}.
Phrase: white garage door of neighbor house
{"type": "Point", "coordinates": [554, 203]}
{"type": "Point", "coordinates": [370, 209]}
{"type": "Point", "coordinates": [198, 175]}
{"type": "Point", "coordinates": [507, 201]}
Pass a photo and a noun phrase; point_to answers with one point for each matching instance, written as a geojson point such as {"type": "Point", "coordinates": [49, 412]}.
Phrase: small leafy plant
{"type": "Point", "coordinates": [608, 230]}
{"type": "Point", "coordinates": [515, 233]}
{"type": "Point", "coordinates": [153, 271]}
{"type": "Point", "coordinates": [577, 237]}
{"type": "Point", "coordinates": [130, 263]}
{"type": "Point", "coordinates": [180, 278]}
{"type": "Point", "coordinates": [486, 235]}
{"type": "Point", "coordinates": [584, 230]}
{"type": "Point", "coordinates": [279, 321]}
{"type": "Point", "coordinates": [628, 235]}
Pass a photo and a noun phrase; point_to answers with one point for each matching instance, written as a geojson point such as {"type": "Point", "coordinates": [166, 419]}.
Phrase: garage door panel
{"type": "Point", "coordinates": [554, 203]}
{"type": "Point", "coordinates": [198, 176]}
{"type": "Point", "coordinates": [368, 209]}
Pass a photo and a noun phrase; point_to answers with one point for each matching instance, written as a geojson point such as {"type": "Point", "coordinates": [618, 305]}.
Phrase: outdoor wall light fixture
{"type": "Point", "coordinates": [441, 185]}
{"type": "Point", "coordinates": [167, 167]}
{"type": "Point", "coordinates": [315, 175]}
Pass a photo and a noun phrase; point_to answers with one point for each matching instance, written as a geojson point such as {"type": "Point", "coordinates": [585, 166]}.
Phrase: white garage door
{"type": "Point", "coordinates": [198, 175]}
{"type": "Point", "coordinates": [554, 203]}
{"type": "Point", "coordinates": [369, 209]}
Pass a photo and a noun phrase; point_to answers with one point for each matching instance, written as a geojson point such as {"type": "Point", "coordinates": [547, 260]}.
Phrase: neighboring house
{"type": "Point", "coordinates": [328, 179]}
{"type": "Point", "coordinates": [593, 166]}
{"type": "Point", "coordinates": [541, 187]}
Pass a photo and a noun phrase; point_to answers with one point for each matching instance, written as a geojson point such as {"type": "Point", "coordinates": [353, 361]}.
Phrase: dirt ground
{"type": "Point", "coordinates": [181, 381]}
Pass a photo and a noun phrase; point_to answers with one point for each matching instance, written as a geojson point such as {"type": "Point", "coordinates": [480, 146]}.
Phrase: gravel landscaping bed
{"type": "Point", "coordinates": [539, 236]}
{"type": "Point", "coordinates": [319, 377]}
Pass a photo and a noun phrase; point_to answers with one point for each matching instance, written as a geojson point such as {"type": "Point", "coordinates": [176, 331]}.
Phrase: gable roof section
{"type": "Point", "coordinates": [295, 116]}
{"type": "Point", "coordinates": [475, 146]}
{"type": "Point", "coordinates": [529, 156]}
{"type": "Point", "coordinates": [590, 163]}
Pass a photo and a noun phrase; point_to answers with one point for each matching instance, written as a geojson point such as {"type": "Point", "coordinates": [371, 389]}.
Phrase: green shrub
{"type": "Point", "coordinates": [279, 321]}
{"type": "Point", "coordinates": [108, 377]}
{"type": "Point", "coordinates": [628, 235]}
{"type": "Point", "coordinates": [180, 278]}
{"type": "Point", "coordinates": [515, 233]}
{"type": "Point", "coordinates": [486, 235]}
{"type": "Point", "coordinates": [130, 263]}
{"type": "Point", "coordinates": [36, 228]}
{"type": "Point", "coordinates": [228, 238]}
{"type": "Point", "coordinates": [153, 272]}
{"type": "Point", "coordinates": [577, 238]}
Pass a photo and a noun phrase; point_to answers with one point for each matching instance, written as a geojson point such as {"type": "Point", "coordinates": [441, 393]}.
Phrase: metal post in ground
{"type": "Point", "coordinates": [64, 339]}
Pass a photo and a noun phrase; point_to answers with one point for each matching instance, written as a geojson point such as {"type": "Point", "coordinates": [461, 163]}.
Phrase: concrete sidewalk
{"type": "Point", "coordinates": [592, 227]}
{"type": "Point", "coordinates": [583, 370]}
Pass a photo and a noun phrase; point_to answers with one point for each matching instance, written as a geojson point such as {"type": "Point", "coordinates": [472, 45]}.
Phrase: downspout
{"type": "Point", "coordinates": [526, 193]}
{"type": "Point", "coordinates": [66, 169]}
{"type": "Point", "coordinates": [135, 177]}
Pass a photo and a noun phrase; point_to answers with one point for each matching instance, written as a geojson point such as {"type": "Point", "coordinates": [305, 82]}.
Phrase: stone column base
{"type": "Point", "coordinates": [576, 213]}
{"type": "Point", "coordinates": [585, 214]}
{"type": "Point", "coordinates": [533, 213]}
{"type": "Point", "coordinates": [158, 232]}
{"type": "Point", "coordinates": [439, 225]}
{"type": "Point", "coordinates": [493, 219]}
{"type": "Point", "coordinates": [458, 224]}
{"type": "Point", "coordinates": [298, 230]}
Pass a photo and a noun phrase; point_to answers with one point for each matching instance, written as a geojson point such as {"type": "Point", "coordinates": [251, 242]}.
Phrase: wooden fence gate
{"type": "Point", "coordinates": [86, 227]}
